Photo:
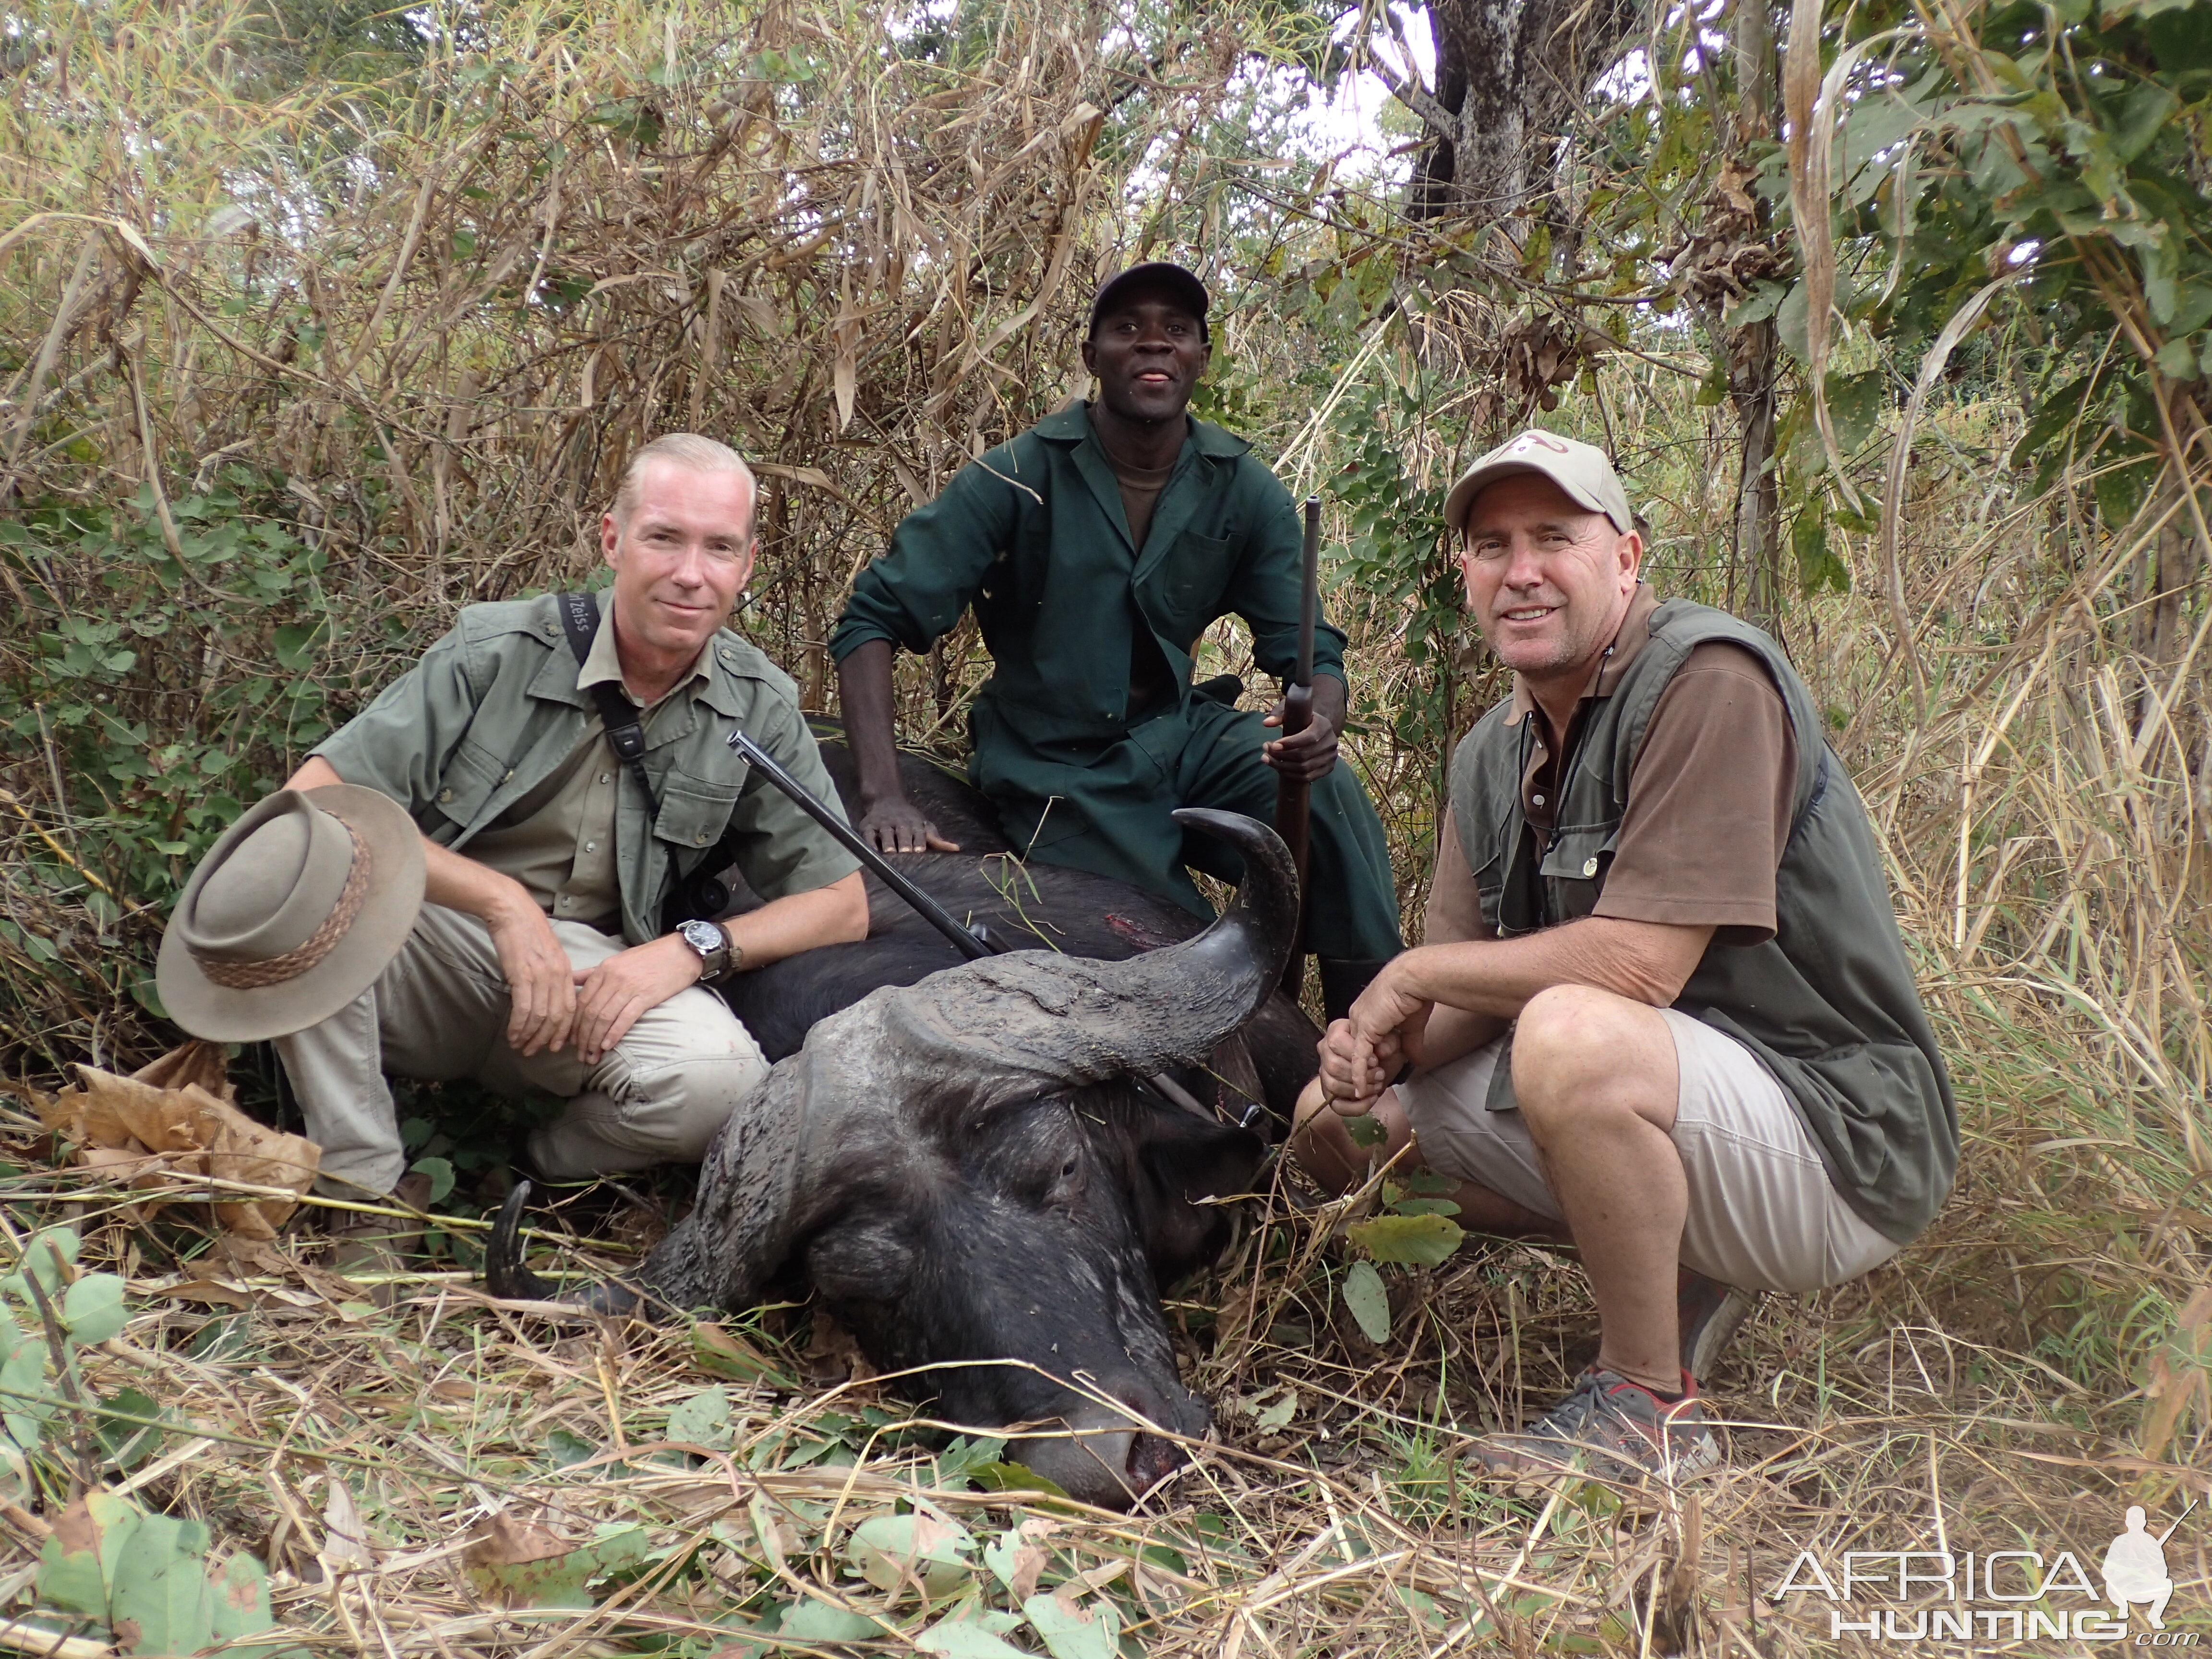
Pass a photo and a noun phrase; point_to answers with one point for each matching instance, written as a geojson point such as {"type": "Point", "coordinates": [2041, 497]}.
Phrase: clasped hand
{"type": "Point", "coordinates": [1363, 1052]}
{"type": "Point", "coordinates": [554, 1003]}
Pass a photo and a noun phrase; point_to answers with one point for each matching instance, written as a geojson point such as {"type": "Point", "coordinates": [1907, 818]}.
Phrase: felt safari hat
{"type": "Point", "coordinates": [1582, 470]}
{"type": "Point", "coordinates": [292, 914]}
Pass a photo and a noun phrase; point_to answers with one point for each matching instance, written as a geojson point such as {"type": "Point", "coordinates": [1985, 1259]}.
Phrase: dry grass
{"type": "Point", "coordinates": [860, 274]}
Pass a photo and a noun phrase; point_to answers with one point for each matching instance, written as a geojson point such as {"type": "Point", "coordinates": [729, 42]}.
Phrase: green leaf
{"type": "Point", "coordinates": [296, 646]}
{"type": "Point", "coordinates": [1367, 1300]}
{"type": "Point", "coordinates": [79, 1580]}
{"type": "Point", "coordinates": [128, 1443]}
{"type": "Point", "coordinates": [564, 1449]}
{"type": "Point", "coordinates": [43, 1253]}
{"type": "Point", "coordinates": [1426, 1239]}
{"type": "Point", "coordinates": [22, 1379]}
{"type": "Point", "coordinates": [1756, 306]}
{"type": "Point", "coordinates": [703, 1420]}
{"type": "Point", "coordinates": [1425, 1206]}
{"type": "Point", "coordinates": [242, 1598]}
{"type": "Point", "coordinates": [957, 1460]}
{"type": "Point", "coordinates": [92, 1307]}
{"type": "Point", "coordinates": [817, 1622]}
{"type": "Point", "coordinates": [966, 1638]}
{"type": "Point", "coordinates": [440, 1172]}
{"type": "Point", "coordinates": [160, 1582]}
{"type": "Point", "coordinates": [893, 1551]}
{"type": "Point", "coordinates": [552, 1581]}
{"type": "Point", "coordinates": [1070, 1632]}
{"type": "Point", "coordinates": [2120, 493]}
{"type": "Point", "coordinates": [1015, 1477]}
{"type": "Point", "coordinates": [1366, 1130]}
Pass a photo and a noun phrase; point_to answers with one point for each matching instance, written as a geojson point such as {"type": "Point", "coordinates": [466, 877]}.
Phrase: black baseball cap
{"type": "Point", "coordinates": [1183, 285]}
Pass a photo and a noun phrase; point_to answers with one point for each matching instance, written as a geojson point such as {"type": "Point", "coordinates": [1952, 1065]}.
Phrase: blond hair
{"type": "Point", "coordinates": [690, 450]}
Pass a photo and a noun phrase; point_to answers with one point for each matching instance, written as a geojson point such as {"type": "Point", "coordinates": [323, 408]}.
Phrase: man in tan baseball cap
{"type": "Point", "coordinates": [1582, 472]}
{"type": "Point", "coordinates": [1658, 894]}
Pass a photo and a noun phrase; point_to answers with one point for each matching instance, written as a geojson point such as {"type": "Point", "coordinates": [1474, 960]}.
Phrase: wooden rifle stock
{"type": "Point", "coordinates": [1292, 795]}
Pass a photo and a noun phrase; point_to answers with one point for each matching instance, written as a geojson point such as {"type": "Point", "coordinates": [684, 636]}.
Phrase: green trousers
{"type": "Point", "coordinates": [1104, 808]}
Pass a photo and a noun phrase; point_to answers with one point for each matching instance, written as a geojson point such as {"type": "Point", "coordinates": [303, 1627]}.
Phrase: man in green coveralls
{"type": "Point", "coordinates": [1662, 1008]}
{"type": "Point", "coordinates": [1096, 548]}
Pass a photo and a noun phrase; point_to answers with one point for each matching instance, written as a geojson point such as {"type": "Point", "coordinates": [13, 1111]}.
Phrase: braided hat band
{"type": "Point", "coordinates": [275, 970]}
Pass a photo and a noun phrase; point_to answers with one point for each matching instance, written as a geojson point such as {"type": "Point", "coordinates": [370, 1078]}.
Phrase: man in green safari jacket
{"type": "Point", "coordinates": [1096, 548]}
{"type": "Point", "coordinates": [538, 961]}
{"type": "Point", "coordinates": [1661, 1009]}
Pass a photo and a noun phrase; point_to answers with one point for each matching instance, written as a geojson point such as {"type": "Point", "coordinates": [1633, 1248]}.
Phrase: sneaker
{"type": "Point", "coordinates": [1611, 1428]}
{"type": "Point", "coordinates": [1709, 1315]}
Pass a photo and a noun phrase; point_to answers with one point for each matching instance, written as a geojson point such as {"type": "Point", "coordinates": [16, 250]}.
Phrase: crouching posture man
{"type": "Point", "coordinates": [1094, 548]}
{"type": "Point", "coordinates": [543, 956]}
{"type": "Point", "coordinates": [1663, 1010]}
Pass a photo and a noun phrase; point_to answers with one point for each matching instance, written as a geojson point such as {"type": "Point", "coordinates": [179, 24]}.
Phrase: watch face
{"type": "Point", "coordinates": [702, 936]}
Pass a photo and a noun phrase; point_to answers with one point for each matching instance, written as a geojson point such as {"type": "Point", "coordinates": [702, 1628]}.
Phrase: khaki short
{"type": "Point", "coordinates": [1763, 1214]}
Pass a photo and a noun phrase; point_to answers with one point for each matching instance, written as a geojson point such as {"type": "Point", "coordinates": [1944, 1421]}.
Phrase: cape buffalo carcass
{"type": "Point", "coordinates": [960, 1164]}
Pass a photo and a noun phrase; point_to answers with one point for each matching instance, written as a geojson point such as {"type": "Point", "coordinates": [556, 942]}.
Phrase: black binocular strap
{"type": "Point", "coordinates": [580, 620]}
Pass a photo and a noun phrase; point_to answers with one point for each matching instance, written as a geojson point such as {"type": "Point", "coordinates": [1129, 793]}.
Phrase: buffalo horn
{"type": "Point", "coordinates": [1039, 1017]}
{"type": "Point", "coordinates": [507, 1278]}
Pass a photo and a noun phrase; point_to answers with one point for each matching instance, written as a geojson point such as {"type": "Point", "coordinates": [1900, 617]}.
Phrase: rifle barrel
{"type": "Point", "coordinates": [973, 943]}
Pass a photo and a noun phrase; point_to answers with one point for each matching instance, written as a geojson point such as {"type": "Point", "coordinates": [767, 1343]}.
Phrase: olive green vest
{"type": "Point", "coordinates": [1827, 1005]}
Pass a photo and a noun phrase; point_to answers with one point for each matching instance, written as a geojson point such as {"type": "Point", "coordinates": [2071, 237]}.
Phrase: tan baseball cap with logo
{"type": "Point", "coordinates": [1582, 470]}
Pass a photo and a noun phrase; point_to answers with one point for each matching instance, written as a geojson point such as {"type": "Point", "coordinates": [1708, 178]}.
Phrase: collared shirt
{"type": "Point", "coordinates": [496, 710]}
{"type": "Point", "coordinates": [1036, 536]}
{"type": "Point", "coordinates": [1710, 795]}
{"type": "Point", "coordinates": [558, 840]}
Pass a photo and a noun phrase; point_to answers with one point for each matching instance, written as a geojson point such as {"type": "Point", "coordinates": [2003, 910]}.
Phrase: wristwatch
{"type": "Point", "coordinates": [718, 955]}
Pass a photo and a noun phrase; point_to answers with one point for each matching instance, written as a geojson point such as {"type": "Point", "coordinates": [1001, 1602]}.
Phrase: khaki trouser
{"type": "Point", "coordinates": [440, 1010]}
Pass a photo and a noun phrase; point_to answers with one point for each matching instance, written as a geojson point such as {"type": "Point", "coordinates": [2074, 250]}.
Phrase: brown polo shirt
{"type": "Point", "coordinates": [1709, 796]}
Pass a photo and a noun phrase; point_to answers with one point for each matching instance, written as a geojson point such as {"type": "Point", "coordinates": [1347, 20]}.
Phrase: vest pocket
{"type": "Point", "coordinates": [1574, 869]}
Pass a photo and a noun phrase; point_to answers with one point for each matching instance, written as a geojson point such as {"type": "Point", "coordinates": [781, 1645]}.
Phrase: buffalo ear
{"type": "Point", "coordinates": [1179, 1159]}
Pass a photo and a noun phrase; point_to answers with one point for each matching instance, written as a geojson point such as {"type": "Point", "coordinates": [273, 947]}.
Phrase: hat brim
{"type": "Point", "coordinates": [222, 1013]}
{"type": "Point", "coordinates": [1480, 478]}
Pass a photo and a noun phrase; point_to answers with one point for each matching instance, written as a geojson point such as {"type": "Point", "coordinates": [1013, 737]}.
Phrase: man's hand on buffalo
{"type": "Point", "coordinates": [611, 997]}
{"type": "Point", "coordinates": [888, 819]}
{"type": "Point", "coordinates": [1306, 757]}
{"type": "Point", "coordinates": [896, 824]}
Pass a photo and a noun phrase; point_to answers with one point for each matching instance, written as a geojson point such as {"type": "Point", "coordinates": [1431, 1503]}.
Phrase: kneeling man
{"type": "Point", "coordinates": [1662, 1009]}
{"type": "Point", "coordinates": [544, 956]}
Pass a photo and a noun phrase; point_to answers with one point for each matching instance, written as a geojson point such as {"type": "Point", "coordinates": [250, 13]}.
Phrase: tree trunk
{"type": "Point", "coordinates": [1753, 350]}
{"type": "Point", "coordinates": [1752, 365]}
{"type": "Point", "coordinates": [1510, 75]}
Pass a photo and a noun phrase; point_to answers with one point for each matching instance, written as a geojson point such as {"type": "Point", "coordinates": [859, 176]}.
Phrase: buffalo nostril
{"type": "Point", "coordinates": [1152, 1459]}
